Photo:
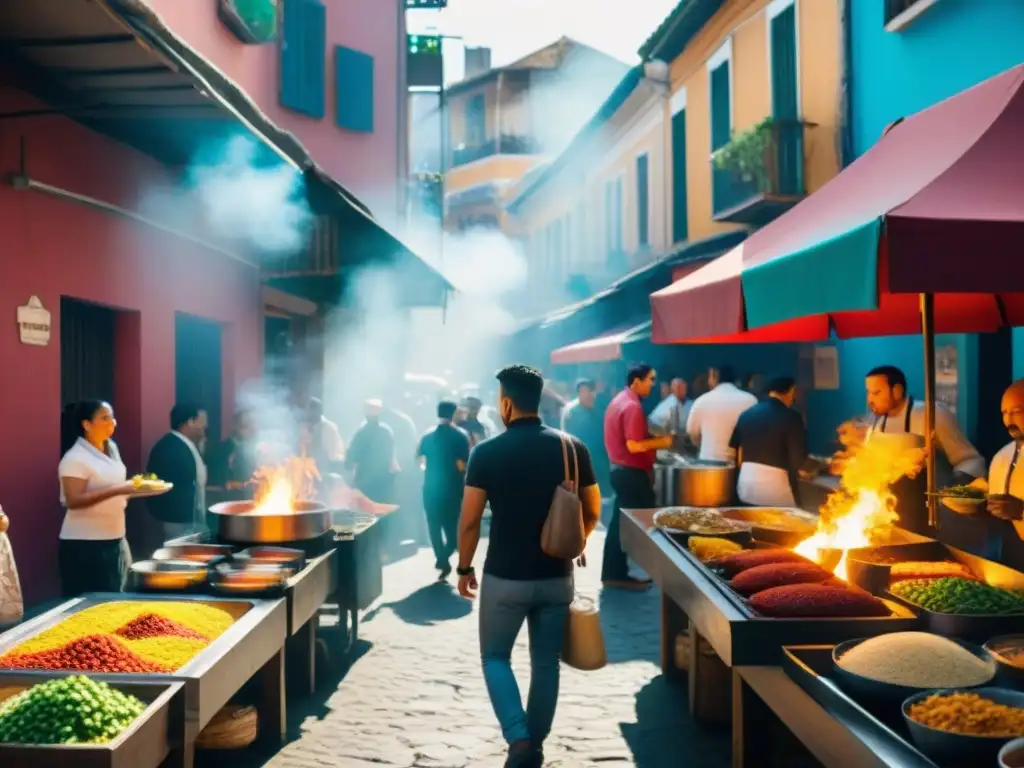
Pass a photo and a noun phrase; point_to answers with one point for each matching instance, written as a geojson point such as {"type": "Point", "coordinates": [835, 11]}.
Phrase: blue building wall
{"type": "Point", "coordinates": [950, 47]}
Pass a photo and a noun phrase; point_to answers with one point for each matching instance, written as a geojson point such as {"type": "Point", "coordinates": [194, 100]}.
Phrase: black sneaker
{"type": "Point", "coordinates": [444, 574]}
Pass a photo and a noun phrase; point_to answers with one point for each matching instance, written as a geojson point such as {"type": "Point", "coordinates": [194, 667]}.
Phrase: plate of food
{"type": "Point", "coordinates": [963, 499]}
{"type": "Point", "coordinates": [149, 485]}
{"type": "Point", "coordinates": [698, 521]}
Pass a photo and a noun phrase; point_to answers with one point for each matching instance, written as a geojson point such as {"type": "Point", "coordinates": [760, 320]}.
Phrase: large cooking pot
{"type": "Point", "coordinates": [233, 521]}
{"type": "Point", "coordinates": [699, 483]}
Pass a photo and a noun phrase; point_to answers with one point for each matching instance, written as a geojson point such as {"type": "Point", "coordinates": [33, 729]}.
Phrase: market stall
{"type": "Point", "coordinates": [212, 646]}
{"type": "Point", "coordinates": [771, 632]}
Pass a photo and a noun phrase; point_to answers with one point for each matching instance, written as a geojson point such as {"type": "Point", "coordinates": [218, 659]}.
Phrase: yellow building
{"type": "Point", "coordinates": [507, 120]}
{"type": "Point", "coordinates": [753, 109]}
{"type": "Point", "coordinates": [597, 211]}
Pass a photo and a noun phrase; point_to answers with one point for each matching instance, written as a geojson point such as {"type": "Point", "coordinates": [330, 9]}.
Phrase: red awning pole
{"type": "Point", "coordinates": [928, 334]}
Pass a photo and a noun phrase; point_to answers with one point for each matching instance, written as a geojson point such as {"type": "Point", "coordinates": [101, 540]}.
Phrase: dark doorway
{"type": "Point", "coordinates": [995, 366]}
{"type": "Point", "coordinates": [87, 351]}
{"type": "Point", "coordinates": [197, 368]}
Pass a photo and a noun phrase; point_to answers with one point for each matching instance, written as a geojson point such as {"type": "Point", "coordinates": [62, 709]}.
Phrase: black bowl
{"type": "Point", "coordinates": [997, 645]}
{"type": "Point", "coordinates": [877, 690]}
{"type": "Point", "coordinates": [956, 748]}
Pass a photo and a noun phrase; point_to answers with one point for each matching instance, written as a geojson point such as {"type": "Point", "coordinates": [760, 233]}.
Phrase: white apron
{"type": "Point", "coordinates": [760, 485]}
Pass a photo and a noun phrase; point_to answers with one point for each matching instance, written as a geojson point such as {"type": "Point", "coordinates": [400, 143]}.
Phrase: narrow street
{"type": "Point", "coordinates": [415, 696]}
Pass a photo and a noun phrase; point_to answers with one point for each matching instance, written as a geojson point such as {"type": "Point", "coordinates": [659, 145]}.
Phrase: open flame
{"type": "Point", "coordinates": [279, 487]}
{"type": "Point", "coordinates": [862, 513]}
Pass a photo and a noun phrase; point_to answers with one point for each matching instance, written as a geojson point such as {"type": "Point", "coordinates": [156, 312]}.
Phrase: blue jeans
{"type": "Point", "coordinates": [504, 606]}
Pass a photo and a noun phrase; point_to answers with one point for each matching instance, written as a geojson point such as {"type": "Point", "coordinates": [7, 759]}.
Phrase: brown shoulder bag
{"type": "Point", "coordinates": [563, 535]}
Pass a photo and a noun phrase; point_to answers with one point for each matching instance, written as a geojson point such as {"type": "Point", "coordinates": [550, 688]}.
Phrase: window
{"type": "Point", "coordinates": [643, 189]}
{"type": "Point", "coordinates": [476, 121]}
{"type": "Point", "coordinates": [719, 70]}
{"type": "Point", "coordinates": [680, 228]}
{"type": "Point", "coordinates": [899, 13]}
{"type": "Point", "coordinates": [353, 83]}
{"type": "Point", "coordinates": [613, 215]}
{"type": "Point", "coordinates": [303, 57]}
{"type": "Point", "coordinates": [782, 49]}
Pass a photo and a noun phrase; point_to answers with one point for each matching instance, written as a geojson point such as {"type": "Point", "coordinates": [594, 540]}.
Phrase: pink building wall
{"type": "Point", "coordinates": [371, 165]}
{"type": "Point", "coordinates": [51, 248]}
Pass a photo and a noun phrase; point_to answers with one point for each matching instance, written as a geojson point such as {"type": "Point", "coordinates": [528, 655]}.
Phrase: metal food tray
{"type": "Point", "coordinates": [145, 743]}
{"type": "Point", "coordinates": [295, 559]}
{"type": "Point", "coordinates": [216, 553]}
{"type": "Point", "coordinates": [874, 577]}
{"type": "Point", "coordinates": [211, 678]}
{"type": "Point", "coordinates": [880, 728]}
{"type": "Point", "coordinates": [756, 639]}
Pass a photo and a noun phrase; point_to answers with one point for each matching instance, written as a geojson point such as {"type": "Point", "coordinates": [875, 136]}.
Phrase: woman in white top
{"type": "Point", "coordinates": [94, 489]}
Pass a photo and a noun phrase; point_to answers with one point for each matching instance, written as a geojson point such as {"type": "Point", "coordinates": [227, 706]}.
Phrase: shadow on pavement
{"type": "Point", "coordinates": [427, 606]}
{"type": "Point", "coordinates": [665, 736]}
{"type": "Point", "coordinates": [622, 612]}
{"type": "Point", "coordinates": [300, 708]}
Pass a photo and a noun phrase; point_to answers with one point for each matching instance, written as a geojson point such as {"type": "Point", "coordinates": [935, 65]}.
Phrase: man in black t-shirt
{"type": "Point", "coordinates": [443, 451]}
{"type": "Point", "coordinates": [517, 473]}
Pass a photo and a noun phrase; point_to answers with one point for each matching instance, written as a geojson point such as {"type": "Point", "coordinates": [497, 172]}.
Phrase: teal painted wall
{"type": "Point", "coordinates": [950, 47]}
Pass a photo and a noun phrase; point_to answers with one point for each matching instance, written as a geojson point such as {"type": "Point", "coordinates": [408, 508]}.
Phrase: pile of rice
{"type": "Point", "coordinates": [917, 660]}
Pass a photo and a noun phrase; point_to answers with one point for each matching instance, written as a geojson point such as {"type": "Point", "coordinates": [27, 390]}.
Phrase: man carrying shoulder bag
{"type": "Point", "coordinates": [535, 479]}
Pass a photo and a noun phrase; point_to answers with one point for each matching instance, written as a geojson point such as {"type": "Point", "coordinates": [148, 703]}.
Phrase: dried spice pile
{"type": "Point", "coordinates": [129, 636]}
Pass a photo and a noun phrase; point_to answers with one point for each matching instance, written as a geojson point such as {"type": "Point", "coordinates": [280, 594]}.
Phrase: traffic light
{"type": "Point", "coordinates": [429, 4]}
{"type": "Point", "coordinates": [425, 64]}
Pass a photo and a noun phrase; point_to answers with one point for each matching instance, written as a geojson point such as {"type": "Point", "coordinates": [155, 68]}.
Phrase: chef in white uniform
{"type": "Point", "coordinates": [1006, 482]}
{"type": "Point", "coordinates": [895, 412]}
{"type": "Point", "coordinates": [713, 415]}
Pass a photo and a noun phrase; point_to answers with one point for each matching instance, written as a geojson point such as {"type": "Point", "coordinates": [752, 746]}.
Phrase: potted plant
{"type": "Point", "coordinates": [746, 155]}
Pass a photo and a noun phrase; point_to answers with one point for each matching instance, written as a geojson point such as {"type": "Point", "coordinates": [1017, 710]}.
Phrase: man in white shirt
{"type": "Point", "coordinates": [671, 414]}
{"type": "Point", "coordinates": [713, 416]}
{"type": "Point", "coordinates": [1006, 482]}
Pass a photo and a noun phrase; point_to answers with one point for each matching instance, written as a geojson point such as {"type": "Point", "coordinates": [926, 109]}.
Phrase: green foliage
{"type": "Point", "coordinates": [747, 154]}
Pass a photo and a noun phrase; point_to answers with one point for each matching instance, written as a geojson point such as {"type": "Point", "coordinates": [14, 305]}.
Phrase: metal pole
{"type": "Point", "coordinates": [928, 334]}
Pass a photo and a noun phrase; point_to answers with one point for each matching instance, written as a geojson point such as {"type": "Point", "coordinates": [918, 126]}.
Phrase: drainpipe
{"type": "Point", "coordinates": [402, 119]}
{"type": "Point", "coordinates": [846, 149]}
{"type": "Point", "coordinates": [497, 114]}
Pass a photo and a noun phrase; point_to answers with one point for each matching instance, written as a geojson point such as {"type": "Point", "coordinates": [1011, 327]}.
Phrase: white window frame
{"type": "Point", "coordinates": [722, 56]}
{"type": "Point", "coordinates": [910, 14]}
{"type": "Point", "coordinates": [774, 9]}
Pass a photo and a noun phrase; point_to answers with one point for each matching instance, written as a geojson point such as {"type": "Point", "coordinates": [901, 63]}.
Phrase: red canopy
{"type": "Point", "coordinates": [600, 349]}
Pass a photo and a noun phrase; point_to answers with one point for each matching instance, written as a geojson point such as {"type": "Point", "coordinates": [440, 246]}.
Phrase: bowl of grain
{"type": "Point", "coordinates": [900, 664]}
{"type": "Point", "coordinates": [958, 727]}
{"type": "Point", "coordinates": [1008, 651]}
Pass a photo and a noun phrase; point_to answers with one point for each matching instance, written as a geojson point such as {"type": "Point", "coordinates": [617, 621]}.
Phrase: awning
{"type": "Point", "coordinates": [113, 66]}
{"type": "Point", "coordinates": [601, 349]}
{"type": "Point", "coordinates": [937, 206]}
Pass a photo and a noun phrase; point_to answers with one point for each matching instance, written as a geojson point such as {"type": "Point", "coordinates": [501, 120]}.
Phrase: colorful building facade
{"type": "Point", "coordinates": [901, 58]}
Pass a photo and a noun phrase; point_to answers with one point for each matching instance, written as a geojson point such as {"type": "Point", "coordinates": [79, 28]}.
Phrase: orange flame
{"type": "Point", "coordinates": [862, 513]}
{"type": "Point", "coordinates": [279, 487]}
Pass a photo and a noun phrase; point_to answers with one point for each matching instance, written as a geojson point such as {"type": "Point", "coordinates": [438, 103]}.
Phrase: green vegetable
{"type": "Point", "coordinates": [960, 596]}
{"type": "Point", "coordinates": [72, 710]}
{"type": "Point", "coordinates": [963, 492]}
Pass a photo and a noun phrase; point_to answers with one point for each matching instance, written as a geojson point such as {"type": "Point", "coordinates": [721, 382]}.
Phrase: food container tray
{"type": "Point", "coordinates": [756, 639]}
{"type": "Point", "coordinates": [208, 554]}
{"type": "Point", "coordinates": [275, 587]}
{"type": "Point", "coordinates": [878, 725]}
{"type": "Point", "coordinates": [146, 743]}
{"type": "Point", "coordinates": [775, 525]}
{"type": "Point", "coordinates": [869, 567]}
{"type": "Point", "coordinates": [295, 559]}
{"type": "Point", "coordinates": [168, 576]}
{"type": "Point", "coordinates": [974, 627]}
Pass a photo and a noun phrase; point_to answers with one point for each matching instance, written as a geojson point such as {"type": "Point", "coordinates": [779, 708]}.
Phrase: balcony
{"type": "Point", "coordinates": [759, 175]}
{"type": "Point", "coordinates": [508, 144]}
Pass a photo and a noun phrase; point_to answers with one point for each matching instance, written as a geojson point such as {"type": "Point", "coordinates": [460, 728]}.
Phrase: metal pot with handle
{"type": "Point", "coordinates": [701, 483]}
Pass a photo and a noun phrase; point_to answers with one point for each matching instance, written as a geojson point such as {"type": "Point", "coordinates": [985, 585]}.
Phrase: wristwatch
{"type": "Point", "coordinates": [471, 571]}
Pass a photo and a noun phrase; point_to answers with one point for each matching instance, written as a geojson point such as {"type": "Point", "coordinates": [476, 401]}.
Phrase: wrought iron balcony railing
{"type": "Point", "coordinates": [760, 173]}
{"type": "Point", "coordinates": [507, 144]}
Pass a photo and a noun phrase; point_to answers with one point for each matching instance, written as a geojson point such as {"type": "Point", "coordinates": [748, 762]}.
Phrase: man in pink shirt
{"type": "Point", "coordinates": [631, 451]}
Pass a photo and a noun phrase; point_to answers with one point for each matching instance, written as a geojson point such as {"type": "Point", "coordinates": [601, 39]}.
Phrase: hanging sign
{"type": "Point", "coordinates": [251, 21]}
{"type": "Point", "coordinates": [826, 367]}
{"type": "Point", "coordinates": [34, 323]}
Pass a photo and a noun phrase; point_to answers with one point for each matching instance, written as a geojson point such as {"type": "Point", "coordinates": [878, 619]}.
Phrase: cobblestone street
{"type": "Point", "coordinates": [415, 696]}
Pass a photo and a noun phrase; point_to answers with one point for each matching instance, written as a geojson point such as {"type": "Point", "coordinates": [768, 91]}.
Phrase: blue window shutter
{"type": "Point", "coordinates": [643, 188]}
{"type": "Point", "coordinates": [353, 86]}
{"type": "Point", "coordinates": [680, 224]}
{"type": "Point", "coordinates": [304, 56]}
{"type": "Point", "coordinates": [721, 106]}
